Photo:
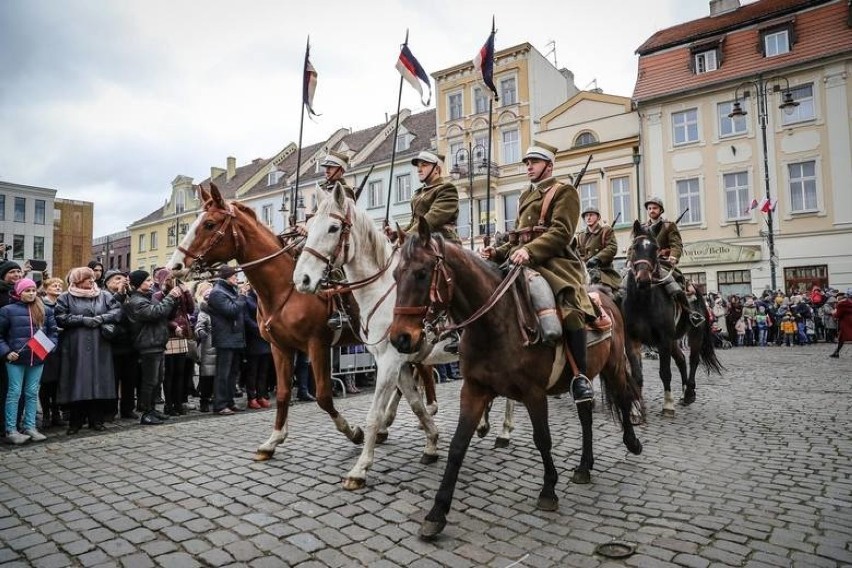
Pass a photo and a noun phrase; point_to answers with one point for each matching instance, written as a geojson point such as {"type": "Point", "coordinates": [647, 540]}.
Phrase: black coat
{"type": "Point", "coordinates": [226, 307]}
{"type": "Point", "coordinates": [255, 344]}
{"type": "Point", "coordinates": [149, 321]}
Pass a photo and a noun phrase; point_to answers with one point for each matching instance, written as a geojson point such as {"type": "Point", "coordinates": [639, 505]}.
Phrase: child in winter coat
{"type": "Point", "coordinates": [19, 323]}
{"type": "Point", "coordinates": [740, 327]}
{"type": "Point", "coordinates": [788, 328]}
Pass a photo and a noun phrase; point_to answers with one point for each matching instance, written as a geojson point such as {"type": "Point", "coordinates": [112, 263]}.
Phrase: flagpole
{"type": "Point", "coordinates": [294, 195]}
{"type": "Point", "coordinates": [393, 152]}
{"type": "Point", "coordinates": [487, 240]}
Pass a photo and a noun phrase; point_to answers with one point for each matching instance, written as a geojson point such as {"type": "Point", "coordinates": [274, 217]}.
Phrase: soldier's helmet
{"type": "Point", "coordinates": [590, 209]}
{"type": "Point", "coordinates": [656, 201]}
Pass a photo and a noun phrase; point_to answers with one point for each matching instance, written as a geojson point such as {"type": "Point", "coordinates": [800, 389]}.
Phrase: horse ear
{"type": "Point", "coordinates": [637, 227]}
{"type": "Point", "coordinates": [423, 229]}
{"type": "Point", "coordinates": [217, 197]}
{"type": "Point", "coordinates": [203, 194]}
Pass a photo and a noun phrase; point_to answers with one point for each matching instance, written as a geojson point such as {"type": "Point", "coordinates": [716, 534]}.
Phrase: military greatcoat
{"type": "Point", "coordinates": [668, 237]}
{"type": "Point", "coordinates": [603, 245]}
{"type": "Point", "coordinates": [328, 187]}
{"type": "Point", "coordinates": [551, 252]}
{"type": "Point", "coordinates": [439, 204]}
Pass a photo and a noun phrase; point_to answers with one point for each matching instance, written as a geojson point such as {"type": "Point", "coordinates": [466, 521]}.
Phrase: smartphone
{"type": "Point", "coordinates": [38, 265]}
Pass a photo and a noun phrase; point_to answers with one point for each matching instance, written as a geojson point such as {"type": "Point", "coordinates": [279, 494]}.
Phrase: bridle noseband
{"type": "Point", "coordinates": [343, 244]}
{"type": "Point", "coordinates": [230, 216]}
{"type": "Point", "coordinates": [438, 302]}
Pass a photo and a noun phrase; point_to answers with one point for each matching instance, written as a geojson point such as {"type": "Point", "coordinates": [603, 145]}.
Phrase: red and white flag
{"type": "Point", "coordinates": [752, 205]}
{"type": "Point", "coordinates": [40, 344]}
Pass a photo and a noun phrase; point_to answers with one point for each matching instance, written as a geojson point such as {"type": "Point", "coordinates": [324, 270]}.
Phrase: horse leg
{"type": "Point", "coordinates": [390, 416]}
{"type": "Point", "coordinates": [283, 360]}
{"type": "Point", "coordinates": [695, 343]}
{"type": "Point", "coordinates": [484, 425]}
{"type": "Point", "coordinates": [583, 473]}
{"type": "Point", "coordinates": [634, 358]}
{"type": "Point", "coordinates": [427, 379]}
{"type": "Point", "coordinates": [319, 355]}
{"type": "Point", "coordinates": [409, 389]}
{"type": "Point", "coordinates": [505, 436]}
{"type": "Point", "coordinates": [386, 370]}
{"type": "Point", "coordinates": [680, 361]}
{"type": "Point", "coordinates": [473, 401]}
{"type": "Point", "coordinates": [665, 350]}
{"type": "Point", "coordinates": [537, 409]}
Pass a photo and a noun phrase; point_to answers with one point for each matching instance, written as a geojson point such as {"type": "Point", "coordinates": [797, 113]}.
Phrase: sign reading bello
{"type": "Point", "coordinates": [717, 252]}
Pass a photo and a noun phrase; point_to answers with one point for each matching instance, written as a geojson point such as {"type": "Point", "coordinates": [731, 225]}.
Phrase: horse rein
{"type": "Point", "coordinates": [653, 268]}
{"type": "Point", "coordinates": [343, 244]}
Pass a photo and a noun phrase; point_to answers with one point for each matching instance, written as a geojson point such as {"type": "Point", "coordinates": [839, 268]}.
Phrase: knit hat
{"type": "Point", "coordinates": [6, 266]}
{"type": "Point", "coordinates": [111, 273]}
{"type": "Point", "coordinates": [137, 277]}
{"type": "Point", "coordinates": [226, 271]}
{"type": "Point", "coordinates": [23, 284]}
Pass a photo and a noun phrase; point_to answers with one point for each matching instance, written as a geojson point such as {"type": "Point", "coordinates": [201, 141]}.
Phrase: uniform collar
{"type": "Point", "coordinates": [543, 185]}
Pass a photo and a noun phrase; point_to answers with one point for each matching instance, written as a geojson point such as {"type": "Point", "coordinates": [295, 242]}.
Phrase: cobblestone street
{"type": "Point", "coordinates": [758, 472]}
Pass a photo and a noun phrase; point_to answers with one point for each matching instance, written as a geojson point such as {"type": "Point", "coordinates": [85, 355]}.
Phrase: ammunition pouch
{"type": "Point", "coordinates": [524, 236]}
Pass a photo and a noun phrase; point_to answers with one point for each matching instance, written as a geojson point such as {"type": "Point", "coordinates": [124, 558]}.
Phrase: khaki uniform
{"type": "Point", "coordinates": [669, 242]}
{"type": "Point", "coordinates": [551, 253]}
{"type": "Point", "coordinates": [603, 245]}
{"type": "Point", "coordinates": [439, 204]}
{"type": "Point", "coordinates": [328, 187]}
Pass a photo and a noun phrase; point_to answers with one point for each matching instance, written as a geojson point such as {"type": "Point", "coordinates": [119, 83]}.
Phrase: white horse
{"type": "Point", "coordinates": [342, 236]}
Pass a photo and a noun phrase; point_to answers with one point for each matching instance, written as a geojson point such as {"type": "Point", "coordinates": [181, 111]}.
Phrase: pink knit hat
{"type": "Point", "coordinates": [23, 284]}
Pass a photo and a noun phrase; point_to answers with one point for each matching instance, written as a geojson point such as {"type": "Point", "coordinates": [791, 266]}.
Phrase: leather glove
{"type": "Point", "coordinates": [593, 262]}
{"type": "Point", "coordinates": [90, 322]}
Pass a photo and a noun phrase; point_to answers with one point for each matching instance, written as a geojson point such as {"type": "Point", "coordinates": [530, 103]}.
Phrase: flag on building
{"type": "Point", "coordinates": [413, 72]}
{"type": "Point", "coordinates": [752, 205]}
{"type": "Point", "coordinates": [484, 64]}
{"type": "Point", "coordinates": [764, 205]}
{"type": "Point", "coordinates": [309, 82]}
{"type": "Point", "coordinates": [40, 344]}
{"type": "Point", "coordinates": [769, 205]}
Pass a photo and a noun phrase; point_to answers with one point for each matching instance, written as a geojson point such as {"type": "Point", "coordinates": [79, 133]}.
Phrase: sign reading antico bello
{"type": "Point", "coordinates": [718, 252]}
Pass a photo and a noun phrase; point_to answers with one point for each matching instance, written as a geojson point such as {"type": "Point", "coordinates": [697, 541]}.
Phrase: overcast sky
{"type": "Point", "coordinates": [109, 101]}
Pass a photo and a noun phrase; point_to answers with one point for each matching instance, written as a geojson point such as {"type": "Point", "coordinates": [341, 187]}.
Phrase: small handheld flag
{"type": "Point", "coordinates": [484, 63]}
{"type": "Point", "coordinates": [752, 205]}
{"type": "Point", "coordinates": [309, 83]}
{"type": "Point", "coordinates": [40, 344]}
{"type": "Point", "coordinates": [413, 72]}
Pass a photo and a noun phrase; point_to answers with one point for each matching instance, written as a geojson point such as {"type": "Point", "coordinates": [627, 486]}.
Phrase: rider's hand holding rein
{"type": "Point", "coordinates": [488, 253]}
{"type": "Point", "coordinates": [520, 256]}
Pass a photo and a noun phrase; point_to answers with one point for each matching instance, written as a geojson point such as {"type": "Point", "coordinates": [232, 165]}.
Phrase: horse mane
{"type": "Point", "coordinates": [361, 222]}
{"type": "Point", "coordinates": [466, 255]}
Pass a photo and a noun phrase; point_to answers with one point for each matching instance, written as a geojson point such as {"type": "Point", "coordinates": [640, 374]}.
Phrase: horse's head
{"type": "Point", "coordinates": [212, 237]}
{"type": "Point", "coordinates": [424, 288]}
{"type": "Point", "coordinates": [643, 258]}
{"type": "Point", "coordinates": [328, 244]}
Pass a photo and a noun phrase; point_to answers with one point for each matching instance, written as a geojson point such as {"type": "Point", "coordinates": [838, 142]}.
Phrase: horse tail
{"type": "Point", "coordinates": [707, 353]}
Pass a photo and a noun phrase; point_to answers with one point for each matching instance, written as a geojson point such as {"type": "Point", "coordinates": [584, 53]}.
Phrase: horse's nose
{"type": "Point", "coordinates": [402, 342]}
{"type": "Point", "coordinates": [306, 282]}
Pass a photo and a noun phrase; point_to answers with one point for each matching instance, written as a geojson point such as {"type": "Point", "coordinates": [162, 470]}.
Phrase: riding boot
{"type": "Point", "coordinates": [453, 345]}
{"type": "Point", "coordinates": [679, 296]}
{"type": "Point", "coordinates": [581, 386]}
{"type": "Point", "coordinates": [351, 388]}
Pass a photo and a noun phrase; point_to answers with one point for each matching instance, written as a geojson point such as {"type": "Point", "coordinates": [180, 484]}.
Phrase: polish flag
{"type": "Point", "coordinates": [764, 205]}
{"type": "Point", "coordinates": [752, 205]}
{"type": "Point", "coordinates": [40, 344]}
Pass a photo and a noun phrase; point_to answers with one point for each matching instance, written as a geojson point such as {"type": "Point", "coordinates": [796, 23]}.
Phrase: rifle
{"type": "Point", "coordinates": [681, 215]}
{"type": "Point", "coordinates": [363, 183]}
{"type": "Point", "coordinates": [580, 175]}
{"type": "Point", "coordinates": [617, 217]}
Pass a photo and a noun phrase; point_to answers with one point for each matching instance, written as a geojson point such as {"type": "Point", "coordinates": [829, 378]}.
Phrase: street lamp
{"type": "Point", "coordinates": [788, 105]}
{"type": "Point", "coordinates": [464, 164]}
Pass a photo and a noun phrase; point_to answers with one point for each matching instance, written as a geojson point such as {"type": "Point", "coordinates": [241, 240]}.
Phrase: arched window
{"type": "Point", "coordinates": [585, 139]}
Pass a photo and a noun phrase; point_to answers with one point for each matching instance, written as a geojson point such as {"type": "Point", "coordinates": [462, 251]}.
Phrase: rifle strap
{"type": "Point", "coordinates": [548, 199]}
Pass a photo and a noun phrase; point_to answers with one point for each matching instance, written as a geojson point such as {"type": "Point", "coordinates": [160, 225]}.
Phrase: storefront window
{"type": "Point", "coordinates": [734, 282]}
{"type": "Point", "coordinates": [799, 279]}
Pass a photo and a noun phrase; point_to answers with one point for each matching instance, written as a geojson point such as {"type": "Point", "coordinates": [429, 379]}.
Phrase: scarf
{"type": "Point", "coordinates": [81, 293]}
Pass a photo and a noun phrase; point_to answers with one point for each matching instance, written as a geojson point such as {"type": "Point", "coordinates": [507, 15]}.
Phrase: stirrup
{"type": "Point", "coordinates": [337, 320]}
{"type": "Point", "coordinates": [696, 319]}
{"type": "Point", "coordinates": [581, 389]}
{"type": "Point", "coordinates": [453, 346]}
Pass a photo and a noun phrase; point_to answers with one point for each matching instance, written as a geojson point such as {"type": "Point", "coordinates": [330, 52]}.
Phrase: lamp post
{"type": "Point", "coordinates": [788, 105]}
{"type": "Point", "coordinates": [463, 163]}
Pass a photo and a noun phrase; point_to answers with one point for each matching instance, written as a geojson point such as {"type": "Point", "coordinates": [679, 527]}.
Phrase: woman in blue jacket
{"type": "Point", "coordinates": [19, 322]}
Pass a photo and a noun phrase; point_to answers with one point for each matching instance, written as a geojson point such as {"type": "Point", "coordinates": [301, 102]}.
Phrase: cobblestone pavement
{"type": "Point", "coordinates": [756, 473]}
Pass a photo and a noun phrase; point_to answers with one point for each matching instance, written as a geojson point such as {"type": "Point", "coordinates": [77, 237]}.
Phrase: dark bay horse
{"type": "Point", "coordinates": [652, 317]}
{"type": "Point", "coordinates": [228, 230]}
{"type": "Point", "coordinates": [433, 276]}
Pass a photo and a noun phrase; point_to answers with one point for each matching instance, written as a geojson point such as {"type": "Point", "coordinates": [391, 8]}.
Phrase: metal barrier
{"type": "Point", "coordinates": [349, 361]}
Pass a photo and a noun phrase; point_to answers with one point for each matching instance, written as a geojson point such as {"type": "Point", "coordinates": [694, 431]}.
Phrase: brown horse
{"type": "Point", "coordinates": [434, 276]}
{"type": "Point", "coordinates": [288, 320]}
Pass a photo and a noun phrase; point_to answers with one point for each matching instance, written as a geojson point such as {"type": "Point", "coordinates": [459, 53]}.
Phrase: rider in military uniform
{"type": "Point", "coordinates": [597, 247]}
{"type": "Point", "coordinates": [335, 165]}
{"type": "Point", "coordinates": [547, 248]}
{"type": "Point", "coordinates": [670, 250]}
{"type": "Point", "coordinates": [436, 200]}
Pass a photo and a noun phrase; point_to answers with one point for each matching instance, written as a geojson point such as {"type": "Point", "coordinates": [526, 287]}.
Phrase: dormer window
{"type": "Point", "coordinates": [777, 39]}
{"type": "Point", "coordinates": [705, 61]}
{"type": "Point", "coordinates": [403, 141]}
{"type": "Point", "coordinates": [273, 177]}
{"type": "Point", "coordinates": [180, 201]}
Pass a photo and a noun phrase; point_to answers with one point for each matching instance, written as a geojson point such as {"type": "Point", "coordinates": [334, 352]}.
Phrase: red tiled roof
{"type": "Point", "coordinates": [820, 33]}
{"type": "Point", "coordinates": [713, 25]}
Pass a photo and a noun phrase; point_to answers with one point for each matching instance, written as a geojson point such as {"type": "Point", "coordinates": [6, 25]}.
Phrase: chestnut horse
{"type": "Point", "coordinates": [288, 320]}
{"type": "Point", "coordinates": [433, 276]}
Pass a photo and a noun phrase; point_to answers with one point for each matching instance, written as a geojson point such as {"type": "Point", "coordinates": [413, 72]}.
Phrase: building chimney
{"type": "Point", "coordinates": [215, 172]}
{"type": "Point", "coordinates": [232, 168]}
{"type": "Point", "coordinates": [719, 7]}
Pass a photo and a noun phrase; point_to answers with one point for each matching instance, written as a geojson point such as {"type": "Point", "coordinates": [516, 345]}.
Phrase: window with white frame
{"type": "Point", "coordinates": [705, 61]}
{"type": "Point", "coordinates": [266, 215]}
{"type": "Point", "coordinates": [38, 248]}
{"type": "Point", "coordinates": [508, 91]}
{"type": "Point", "coordinates": [589, 195]}
{"type": "Point", "coordinates": [40, 209]}
{"type": "Point", "coordinates": [803, 191]}
{"type": "Point", "coordinates": [463, 222]}
{"type": "Point", "coordinates": [20, 210]}
{"type": "Point", "coordinates": [685, 126]}
{"type": "Point", "coordinates": [454, 104]}
{"type": "Point", "coordinates": [622, 202]}
{"type": "Point", "coordinates": [375, 194]}
{"type": "Point", "coordinates": [480, 147]}
{"type": "Point", "coordinates": [689, 197]}
{"type": "Point", "coordinates": [585, 139]}
{"type": "Point", "coordinates": [458, 155]}
{"type": "Point", "coordinates": [403, 188]}
{"type": "Point", "coordinates": [142, 243]}
{"type": "Point", "coordinates": [403, 141]}
{"type": "Point", "coordinates": [736, 195]}
{"type": "Point", "coordinates": [804, 95]}
{"type": "Point", "coordinates": [510, 210]}
{"type": "Point", "coordinates": [273, 177]}
{"type": "Point", "coordinates": [776, 42]}
{"type": "Point", "coordinates": [485, 218]}
{"type": "Point", "coordinates": [480, 100]}
{"type": "Point", "coordinates": [154, 243]}
{"type": "Point", "coordinates": [180, 201]}
{"type": "Point", "coordinates": [730, 126]}
{"type": "Point", "coordinates": [511, 146]}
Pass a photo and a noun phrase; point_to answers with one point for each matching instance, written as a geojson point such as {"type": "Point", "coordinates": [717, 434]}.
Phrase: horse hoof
{"type": "Point", "coordinates": [426, 459]}
{"type": "Point", "coordinates": [634, 446]}
{"type": "Point", "coordinates": [381, 437]}
{"type": "Point", "coordinates": [482, 432]}
{"type": "Point", "coordinates": [430, 530]}
{"type": "Point", "coordinates": [262, 455]}
{"type": "Point", "coordinates": [688, 398]}
{"type": "Point", "coordinates": [501, 443]}
{"type": "Point", "coordinates": [581, 477]}
{"type": "Point", "coordinates": [354, 483]}
{"type": "Point", "coordinates": [668, 413]}
{"type": "Point", "coordinates": [358, 436]}
{"type": "Point", "coordinates": [548, 504]}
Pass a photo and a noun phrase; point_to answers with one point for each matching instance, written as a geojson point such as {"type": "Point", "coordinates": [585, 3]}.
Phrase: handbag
{"type": "Point", "coordinates": [110, 331]}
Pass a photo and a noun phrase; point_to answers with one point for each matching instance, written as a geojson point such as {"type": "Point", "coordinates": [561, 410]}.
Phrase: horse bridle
{"type": "Point", "coordinates": [438, 301]}
{"type": "Point", "coordinates": [653, 267]}
{"type": "Point", "coordinates": [343, 245]}
{"type": "Point", "coordinates": [230, 215]}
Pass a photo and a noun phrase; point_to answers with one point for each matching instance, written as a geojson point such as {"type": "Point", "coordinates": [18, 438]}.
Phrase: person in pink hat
{"type": "Point", "coordinates": [28, 333]}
